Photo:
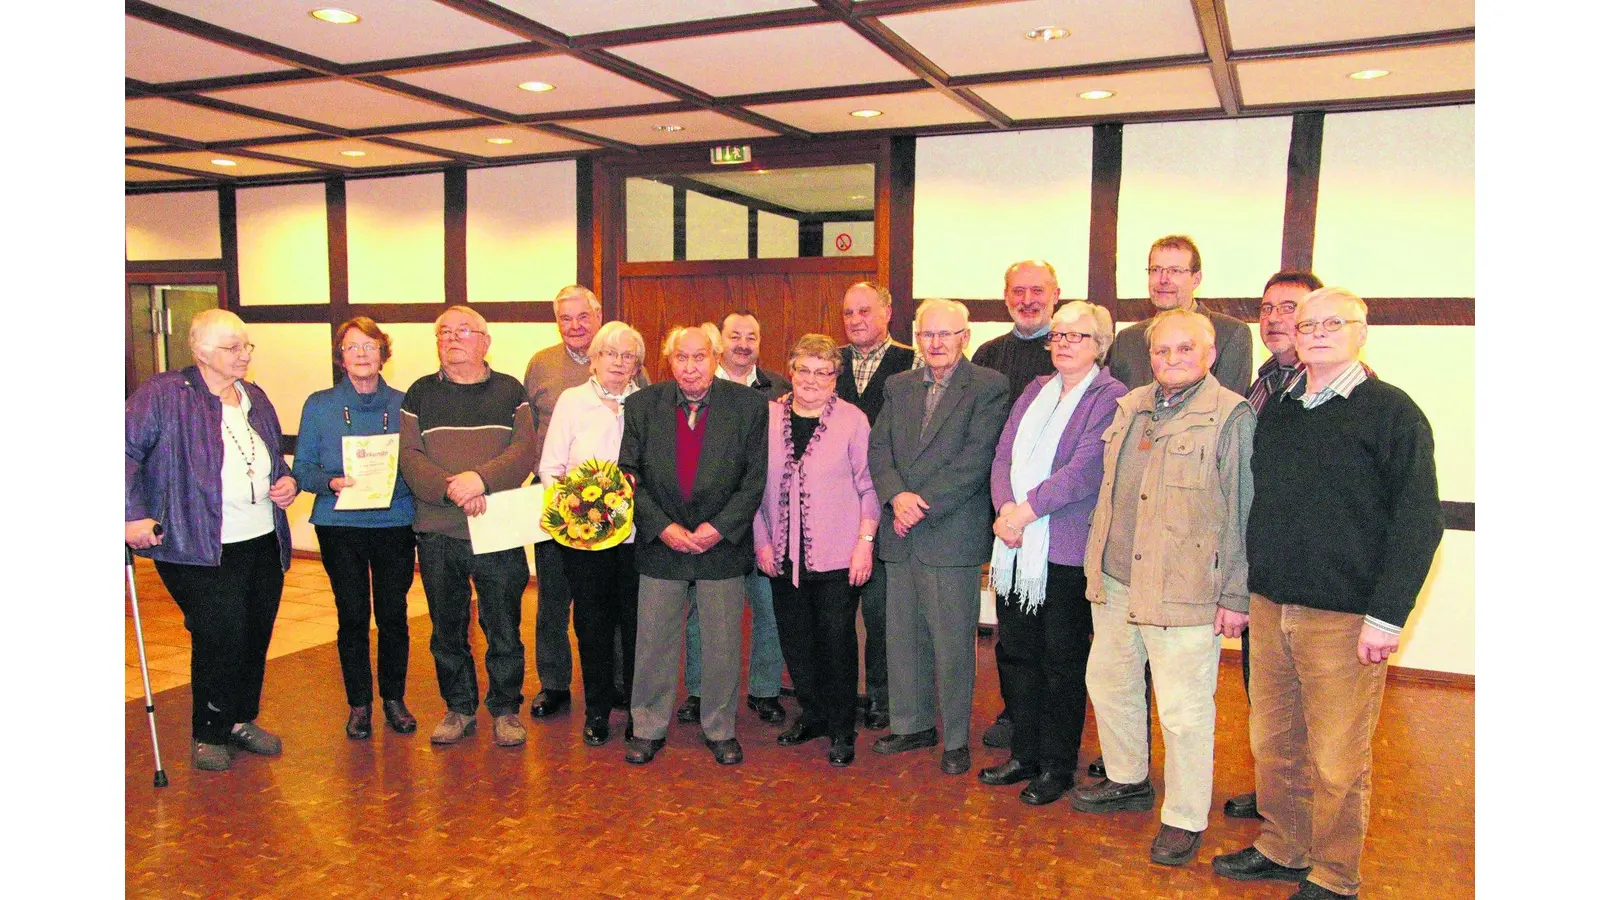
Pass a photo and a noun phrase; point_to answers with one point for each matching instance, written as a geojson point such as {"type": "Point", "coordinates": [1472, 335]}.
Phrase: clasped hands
{"type": "Point", "coordinates": [1009, 522]}
{"type": "Point", "coordinates": [683, 540]}
{"type": "Point", "coordinates": [466, 490]}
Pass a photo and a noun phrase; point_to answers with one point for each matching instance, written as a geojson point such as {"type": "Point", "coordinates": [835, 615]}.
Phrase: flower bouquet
{"type": "Point", "coordinates": [591, 508]}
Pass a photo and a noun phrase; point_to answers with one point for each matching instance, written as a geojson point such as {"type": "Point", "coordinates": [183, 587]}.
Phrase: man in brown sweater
{"type": "Point", "coordinates": [465, 432]}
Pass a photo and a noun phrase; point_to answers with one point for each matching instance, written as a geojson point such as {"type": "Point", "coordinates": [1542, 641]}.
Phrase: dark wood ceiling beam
{"type": "Point", "coordinates": [891, 7]}
{"type": "Point", "coordinates": [170, 139]}
{"type": "Point", "coordinates": [609, 112]}
{"type": "Point", "coordinates": [1091, 70]}
{"type": "Point", "coordinates": [498, 53]}
{"type": "Point", "coordinates": [631, 70]}
{"type": "Point", "coordinates": [837, 92]}
{"type": "Point", "coordinates": [262, 114]}
{"type": "Point", "coordinates": [414, 127]}
{"type": "Point", "coordinates": [731, 196]}
{"type": "Point", "coordinates": [175, 170]}
{"type": "Point", "coordinates": [1363, 45]}
{"type": "Point", "coordinates": [411, 91]}
{"type": "Point", "coordinates": [453, 156]}
{"type": "Point", "coordinates": [149, 12]}
{"type": "Point", "coordinates": [330, 168]}
{"type": "Point", "coordinates": [510, 21]}
{"type": "Point", "coordinates": [780, 18]}
{"type": "Point", "coordinates": [577, 135]}
{"type": "Point", "coordinates": [1213, 24]}
{"type": "Point", "coordinates": [1365, 104]}
{"type": "Point", "coordinates": [171, 88]}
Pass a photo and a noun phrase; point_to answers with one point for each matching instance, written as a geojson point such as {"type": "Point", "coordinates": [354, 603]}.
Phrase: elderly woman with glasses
{"type": "Point", "coordinates": [1044, 483]}
{"type": "Point", "coordinates": [587, 424]}
{"type": "Point", "coordinates": [813, 536]}
{"type": "Point", "coordinates": [370, 554]}
{"type": "Point", "coordinates": [205, 464]}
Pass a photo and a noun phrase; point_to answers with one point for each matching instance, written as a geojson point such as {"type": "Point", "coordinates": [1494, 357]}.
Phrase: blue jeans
{"type": "Point", "coordinates": [450, 570]}
{"type": "Point", "coordinates": [766, 656]}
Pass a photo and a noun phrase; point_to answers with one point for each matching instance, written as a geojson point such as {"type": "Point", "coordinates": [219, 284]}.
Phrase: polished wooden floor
{"type": "Point", "coordinates": [398, 817]}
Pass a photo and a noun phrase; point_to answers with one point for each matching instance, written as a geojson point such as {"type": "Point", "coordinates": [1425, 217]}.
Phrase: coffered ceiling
{"type": "Point", "coordinates": [416, 85]}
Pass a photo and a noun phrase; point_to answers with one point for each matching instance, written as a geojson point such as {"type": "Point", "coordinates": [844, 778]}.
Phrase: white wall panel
{"type": "Point", "coordinates": [522, 231]}
{"type": "Point", "coordinates": [181, 225]}
{"type": "Point", "coordinates": [986, 201]}
{"type": "Point", "coordinates": [716, 229]}
{"type": "Point", "coordinates": [283, 245]}
{"type": "Point", "coordinates": [1222, 183]}
{"type": "Point", "coordinates": [860, 240]}
{"type": "Point", "coordinates": [777, 237]}
{"type": "Point", "coordinates": [1441, 633]}
{"type": "Point", "coordinates": [649, 220]}
{"type": "Point", "coordinates": [396, 229]}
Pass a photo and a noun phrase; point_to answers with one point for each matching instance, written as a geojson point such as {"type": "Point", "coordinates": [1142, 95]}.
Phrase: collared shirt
{"type": "Point", "coordinates": [1341, 386]}
{"type": "Point", "coordinates": [1271, 378]}
{"type": "Point", "coordinates": [1043, 330]}
{"type": "Point", "coordinates": [581, 359]}
{"type": "Point", "coordinates": [693, 408]}
{"type": "Point", "coordinates": [748, 380]}
{"type": "Point", "coordinates": [1177, 398]}
{"type": "Point", "coordinates": [865, 365]}
{"type": "Point", "coordinates": [936, 388]}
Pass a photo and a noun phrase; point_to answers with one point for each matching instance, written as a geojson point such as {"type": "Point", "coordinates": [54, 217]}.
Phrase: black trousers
{"type": "Point", "coordinates": [1042, 657]}
{"type": "Point", "coordinates": [874, 599]}
{"type": "Point", "coordinates": [370, 571]}
{"type": "Point", "coordinates": [605, 605]}
{"type": "Point", "coordinates": [817, 632]}
{"type": "Point", "coordinates": [450, 570]}
{"type": "Point", "coordinates": [229, 610]}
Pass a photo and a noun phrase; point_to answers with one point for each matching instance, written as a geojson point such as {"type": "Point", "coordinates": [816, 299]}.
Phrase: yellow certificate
{"type": "Point", "coordinates": [373, 460]}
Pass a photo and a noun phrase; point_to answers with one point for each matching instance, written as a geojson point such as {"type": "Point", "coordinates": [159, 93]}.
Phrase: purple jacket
{"type": "Point", "coordinates": [1068, 496]}
{"type": "Point", "coordinates": [831, 480]}
{"type": "Point", "coordinates": [173, 470]}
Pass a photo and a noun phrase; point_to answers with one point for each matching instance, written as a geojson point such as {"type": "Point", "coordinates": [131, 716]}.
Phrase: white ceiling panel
{"type": "Point", "coordinates": [970, 40]}
{"type": "Point", "coordinates": [341, 103]}
{"type": "Point", "coordinates": [812, 189]}
{"type": "Point", "coordinates": [201, 161]}
{"type": "Point", "coordinates": [701, 125]}
{"type": "Point", "coordinates": [1283, 23]}
{"type": "Point", "coordinates": [333, 152]}
{"type": "Point", "coordinates": [1134, 92]}
{"type": "Point", "coordinates": [1418, 70]}
{"type": "Point", "coordinates": [578, 85]}
{"type": "Point", "coordinates": [570, 18]}
{"type": "Point", "coordinates": [387, 30]}
{"type": "Point", "coordinates": [197, 123]}
{"type": "Point", "coordinates": [777, 59]}
{"type": "Point", "coordinates": [155, 54]}
{"type": "Point", "coordinates": [907, 110]}
{"type": "Point", "coordinates": [475, 141]}
{"type": "Point", "coordinates": [134, 173]}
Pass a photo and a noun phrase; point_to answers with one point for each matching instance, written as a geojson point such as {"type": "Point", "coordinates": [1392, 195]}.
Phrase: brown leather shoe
{"type": "Point", "coordinates": [1174, 846]}
{"type": "Point", "coordinates": [399, 718]}
{"type": "Point", "coordinates": [359, 726]}
{"type": "Point", "coordinates": [1110, 796]}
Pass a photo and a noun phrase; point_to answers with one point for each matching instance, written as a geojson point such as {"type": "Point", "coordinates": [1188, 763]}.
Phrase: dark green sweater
{"type": "Point", "coordinates": [1346, 514]}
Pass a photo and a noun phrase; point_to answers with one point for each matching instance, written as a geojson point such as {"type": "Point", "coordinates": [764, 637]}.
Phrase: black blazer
{"type": "Point", "coordinates": [898, 358]}
{"type": "Point", "coordinates": [727, 485]}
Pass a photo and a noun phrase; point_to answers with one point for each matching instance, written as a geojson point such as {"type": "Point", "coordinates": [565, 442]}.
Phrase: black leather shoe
{"type": "Point", "coordinates": [689, 712]}
{"type": "Point", "coordinates": [998, 735]}
{"type": "Point", "coordinates": [1174, 846]}
{"type": "Point", "coordinates": [800, 732]}
{"type": "Point", "coordinates": [900, 743]}
{"type": "Point", "coordinates": [1097, 769]}
{"type": "Point", "coordinates": [768, 708]}
{"type": "Point", "coordinates": [1111, 796]}
{"type": "Point", "coordinates": [548, 703]}
{"type": "Point", "coordinates": [1009, 772]}
{"type": "Point", "coordinates": [728, 752]}
{"type": "Point", "coordinates": [842, 752]}
{"type": "Point", "coordinates": [876, 716]}
{"type": "Point", "coordinates": [399, 718]}
{"type": "Point", "coordinates": [359, 726]}
{"type": "Point", "coordinates": [1251, 864]}
{"type": "Point", "coordinates": [1241, 807]}
{"type": "Point", "coordinates": [956, 762]}
{"type": "Point", "coordinates": [596, 731]}
{"type": "Point", "coordinates": [1046, 789]}
{"type": "Point", "coordinates": [622, 699]}
{"type": "Point", "coordinates": [1311, 891]}
{"type": "Point", "coordinates": [642, 750]}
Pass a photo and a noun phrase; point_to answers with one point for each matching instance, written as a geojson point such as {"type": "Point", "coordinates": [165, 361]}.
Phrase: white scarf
{"type": "Point", "coordinates": [1033, 455]}
{"type": "Point", "coordinates": [620, 399]}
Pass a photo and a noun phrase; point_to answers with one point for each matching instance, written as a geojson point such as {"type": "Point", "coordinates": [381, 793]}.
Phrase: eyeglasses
{"type": "Point", "coordinates": [1169, 271]}
{"type": "Point", "coordinates": [815, 374]}
{"type": "Point", "coordinates": [461, 334]}
{"type": "Point", "coordinates": [1330, 324]}
{"type": "Point", "coordinates": [931, 336]}
{"type": "Point", "coordinates": [1287, 307]}
{"type": "Point", "coordinates": [625, 356]}
{"type": "Point", "coordinates": [368, 347]}
{"type": "Point", "coordinates": [237, 349]}
{"type": "Point", "coordinates": [1071, 337]}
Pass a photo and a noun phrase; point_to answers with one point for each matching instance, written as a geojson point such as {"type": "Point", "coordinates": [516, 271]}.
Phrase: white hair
{"type": "Point", "coordinates": [476, 317]}
{"type": "Point", "coordinates": [955, 306]}
{"type": "Point", "coordinates": [204, 328]}
{"type": "Point", "coordinates": [575, 292]}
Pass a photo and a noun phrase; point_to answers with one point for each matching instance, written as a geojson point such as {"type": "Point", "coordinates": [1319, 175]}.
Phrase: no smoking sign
{"type": "Point", "coordinates": [843, 241]}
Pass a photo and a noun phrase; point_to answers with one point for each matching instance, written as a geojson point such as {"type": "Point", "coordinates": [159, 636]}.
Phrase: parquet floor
{"type": "Point", "coordinates": [398, 817]}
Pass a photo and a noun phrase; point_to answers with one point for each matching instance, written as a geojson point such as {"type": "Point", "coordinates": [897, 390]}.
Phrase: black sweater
{"type": "Point", "coordinates": [1346, 514]}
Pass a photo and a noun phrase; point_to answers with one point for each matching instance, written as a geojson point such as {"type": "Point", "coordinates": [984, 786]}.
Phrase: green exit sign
{"type": "Point", "coordinates": [730, 155]}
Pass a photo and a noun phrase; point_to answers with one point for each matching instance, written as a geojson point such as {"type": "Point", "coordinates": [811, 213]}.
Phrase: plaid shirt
{"type": "Point", "coordinates": [865, 365]}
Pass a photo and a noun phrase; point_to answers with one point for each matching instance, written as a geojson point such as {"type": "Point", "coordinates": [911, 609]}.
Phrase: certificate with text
{"type": "Point", "coordinates": [373, 460]}
{"type": "Point", "coordinates": [510, 519]}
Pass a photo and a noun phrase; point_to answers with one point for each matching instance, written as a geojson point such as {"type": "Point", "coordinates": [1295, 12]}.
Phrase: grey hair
{"type": "Point", "coordinates": [955, 306]}
{"type": "Point", "coordinates": [1099, 324]}
{"type": "Point", "coordinates": [818, 346]}
{"type": "Point", "coordinates": [204, 328]}
{"type": "Point", "coordinates": [710, 332]}
{"type": "Point", "coordinates": [618, 334]}
{"type": "Point", "coordinates": [1200, 319]}
{"type": "Point", "coordinates": [476, 317]}
{"type": "Point", "coordinates": [576, 291]}
{"type": "Point", "coordinates": [1340, 294]}
{"type": "Point", "coordinates": [880, 290]}
{"type": "Point", "coordinates": [1012, 270]}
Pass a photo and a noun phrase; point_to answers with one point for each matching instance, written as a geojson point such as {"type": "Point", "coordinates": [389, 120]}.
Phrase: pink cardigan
{"type": "Point", "coordinates": [833, 478]}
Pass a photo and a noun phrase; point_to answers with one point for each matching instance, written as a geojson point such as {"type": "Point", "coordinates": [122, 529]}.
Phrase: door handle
{"type": "Point", "coordinates": [167, 314]}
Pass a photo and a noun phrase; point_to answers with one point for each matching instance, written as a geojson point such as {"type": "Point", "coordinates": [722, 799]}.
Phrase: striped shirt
{"type": "Point", "coordinates": [1270, 379]}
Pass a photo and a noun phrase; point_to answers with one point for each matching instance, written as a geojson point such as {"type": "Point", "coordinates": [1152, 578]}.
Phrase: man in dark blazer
{"type": "Point", "coordinates": [931, 450]}
{"type": "Point", "coordinates": [864, 367]}
{"type": "Point", "coordinates": [697, 449]}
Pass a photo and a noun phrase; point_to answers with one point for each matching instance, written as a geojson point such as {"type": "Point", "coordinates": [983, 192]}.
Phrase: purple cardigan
{"type": "Point", "coordinates": [1068, 496]}
{"type": "Point", "coordinates": [831, 479]}
{"type": "Point", "coordinates": [173, 471]}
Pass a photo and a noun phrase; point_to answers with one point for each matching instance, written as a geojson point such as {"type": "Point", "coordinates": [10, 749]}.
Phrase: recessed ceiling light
{"type": "Point", "coordinates": [1369, 74]}
{"type": "Point", "coordinates": [335, 16]}
{"type": "Point", "coordinates": [669, 128]}
{"type": "Point", "coordinates": [1047, 33]}
{"type": "Point", "coordinates": [498, 140]}
{"type": "Point", "coordinates": [223, 162]}
{"type": "Point", "coordinates": [858, 196]}
{"type": "Point", "coordinates": [352, 153]}
{"type": "Point", "coordinates": [538, 87]}
{"type": "Point", "coordinates": [1097, 95]}
{"type": "Point", "coordinates": [867, 113]}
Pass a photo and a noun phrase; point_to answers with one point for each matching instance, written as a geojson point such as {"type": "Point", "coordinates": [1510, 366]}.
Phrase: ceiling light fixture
{"type": "Point", "coordinates": [1369, 74]}
{"type": "Point", "coordinates": [223, 162]}
{"type": "Point", "coordinates": [1097, 95]}
{"type": "Point", "coordinates": [498, 140]}
{"type": "Point", "coordinates": [1047, 33]}
{"type": "Point", "coordinates": [537, 87]}
{"type": "Point", "coordinates": [335, 16]}
{"type": "Point", "coordinates": [867, 113]}
{"type": "Point", "coordinates": [668, 128]}
{"type": "Point", "coordinates": [352, 153]}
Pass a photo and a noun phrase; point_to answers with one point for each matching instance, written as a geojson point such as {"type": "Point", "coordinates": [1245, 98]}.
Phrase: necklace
{"type": "Point", "coordinates": [249, 461]}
